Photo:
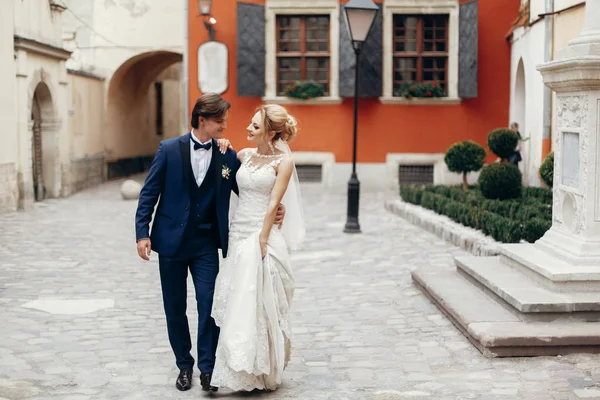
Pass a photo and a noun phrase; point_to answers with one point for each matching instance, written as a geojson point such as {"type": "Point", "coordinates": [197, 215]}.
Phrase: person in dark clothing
{"type": "Point", "coordinates": [515, 158]}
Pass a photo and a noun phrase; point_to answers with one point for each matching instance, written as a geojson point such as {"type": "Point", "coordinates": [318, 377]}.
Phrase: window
{"type": "Point", "coordinates": [420, 50]}
{"type": "Point", "coordinates": [303, 50]}
{"type": "Point", "coordinates": [310, 172]}
{"type": "Point", "coordinates": [415, 174]}
{"type": "Point", "coordinates": [159, 107]}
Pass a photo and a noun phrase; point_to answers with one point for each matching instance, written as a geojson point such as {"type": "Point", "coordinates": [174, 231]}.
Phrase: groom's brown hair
{"type": "Point", "coordinates": [209, 105]}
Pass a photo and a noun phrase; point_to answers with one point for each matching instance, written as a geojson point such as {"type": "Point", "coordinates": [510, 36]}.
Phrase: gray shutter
{"type": "Point", "coordinates": [250, 50]}
{"type": "Point", "coordinates": [371, 60]}
{"type": "Point", "coordinates": [347, 59]}
{"type": "Point", "coordinates": [467, 50]}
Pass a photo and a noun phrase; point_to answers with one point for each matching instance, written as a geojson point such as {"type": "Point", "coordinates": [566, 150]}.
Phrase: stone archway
{"type": "Point", "coordinates": [520, 113]}
{"type": "Point", "coordinates": [44, 149]}
{"type": "Point", "coordinates": [144, 107]}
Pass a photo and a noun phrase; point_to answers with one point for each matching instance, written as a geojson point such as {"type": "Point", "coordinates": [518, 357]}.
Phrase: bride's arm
{"type": "Point", "coordinates": [284, 172]}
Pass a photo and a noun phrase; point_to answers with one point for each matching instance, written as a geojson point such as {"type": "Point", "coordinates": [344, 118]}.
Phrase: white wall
{"type": "Point", "coordinates": [528, 45]}
{"type": "Point", "coordinates": [35, 20]}
{"type": "Point", "coordinates": [122, 29]}
{"type": "Point", "coordinates": [8, 112]}
{"type": "Point", "coordinates": [536, 7]}
{"type": "Point", "coordinates": [562, 4]}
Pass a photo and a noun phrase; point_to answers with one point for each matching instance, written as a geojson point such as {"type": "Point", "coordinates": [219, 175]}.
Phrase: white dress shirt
{"type": "Point", "coordinates": [200, 160]}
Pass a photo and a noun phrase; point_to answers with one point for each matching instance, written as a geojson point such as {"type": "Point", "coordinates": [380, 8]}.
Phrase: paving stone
{"type": "Point", "coordinates": [361, 331]}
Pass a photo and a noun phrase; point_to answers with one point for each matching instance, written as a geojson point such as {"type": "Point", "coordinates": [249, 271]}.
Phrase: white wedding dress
{"type": "Point", "coordinates": [253, 296]}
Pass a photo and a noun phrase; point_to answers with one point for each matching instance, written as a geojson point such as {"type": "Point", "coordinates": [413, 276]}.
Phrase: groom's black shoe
{"type": "Point", "coordinates": [184, 380]}
{"type": "Point", "coordinates": [205, 379]}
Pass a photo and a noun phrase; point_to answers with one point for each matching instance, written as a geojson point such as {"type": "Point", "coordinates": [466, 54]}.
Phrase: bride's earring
{"type": "Point", "coordinates": [271, 147]}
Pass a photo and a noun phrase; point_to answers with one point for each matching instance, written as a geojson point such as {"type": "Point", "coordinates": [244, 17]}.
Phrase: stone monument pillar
{"type": "Point", "coordinates": [575, 77]}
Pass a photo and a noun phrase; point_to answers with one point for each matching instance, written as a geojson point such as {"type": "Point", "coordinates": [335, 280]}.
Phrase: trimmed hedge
{"type": "Point", "coordinates": [508, 221]}
{"type": "Point", "coordinates": [547, 170]}
{"type": "Point", "coordinates": [501, 181]}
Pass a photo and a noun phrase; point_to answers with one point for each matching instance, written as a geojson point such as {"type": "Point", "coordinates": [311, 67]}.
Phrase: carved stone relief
{"type": "Point", "coordinates": [571, 162]}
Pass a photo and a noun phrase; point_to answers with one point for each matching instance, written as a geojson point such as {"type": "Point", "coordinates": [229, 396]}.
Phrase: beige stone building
{"type": "Point", "coordinates": [540, 32]}
{"type": "Point", "coordinates": [89, 89]}
{"type": "Point", "coordinates": [137, 47]}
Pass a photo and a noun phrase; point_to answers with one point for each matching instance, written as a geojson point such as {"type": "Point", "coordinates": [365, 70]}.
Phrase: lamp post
{"type": "Point", "coordinates": [204, 6]}
{"type": "Point", "coordinates": [360, 15]}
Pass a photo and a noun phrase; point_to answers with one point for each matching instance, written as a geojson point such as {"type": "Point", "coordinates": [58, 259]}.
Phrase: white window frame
{"type": "Point", "coordinates": [393, 7]}
{"type": "Point", "coordinates": [273, 8]}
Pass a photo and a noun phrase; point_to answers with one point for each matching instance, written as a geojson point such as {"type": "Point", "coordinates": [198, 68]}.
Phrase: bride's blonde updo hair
{"type": "Point", "coordinates": [275, 118]}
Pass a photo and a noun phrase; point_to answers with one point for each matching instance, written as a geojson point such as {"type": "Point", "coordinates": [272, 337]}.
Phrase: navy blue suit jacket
{"type": "Point", "coordinates": [167, 183]}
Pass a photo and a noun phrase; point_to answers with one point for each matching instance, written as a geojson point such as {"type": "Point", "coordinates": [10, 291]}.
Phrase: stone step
{"type": "Point", "coordinates": [521, 291]}
{"type": "Point", "coordinates": [549, 270]}
{"type": "Point", "coordinates": [496, 331]}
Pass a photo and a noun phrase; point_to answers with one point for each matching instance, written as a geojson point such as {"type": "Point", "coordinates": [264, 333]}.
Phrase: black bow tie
{"type": "Point", "coordinates": [206, 146]}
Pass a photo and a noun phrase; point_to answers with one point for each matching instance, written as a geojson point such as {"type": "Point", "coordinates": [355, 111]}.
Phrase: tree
{"type": "Point", "coordinates": [503, 142]}
{"type": "Point", "coordinates": [465, 157]}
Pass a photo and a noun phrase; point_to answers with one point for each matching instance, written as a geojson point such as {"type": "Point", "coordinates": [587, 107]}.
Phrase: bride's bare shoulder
{"type": "Point", "coordinates": [243, 152]}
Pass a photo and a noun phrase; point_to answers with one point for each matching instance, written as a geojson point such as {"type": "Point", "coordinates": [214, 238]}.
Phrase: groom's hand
{"type": "Point", "coordinates": [280, 215]}
{"type": "Point", "coordinates": [144, 247]}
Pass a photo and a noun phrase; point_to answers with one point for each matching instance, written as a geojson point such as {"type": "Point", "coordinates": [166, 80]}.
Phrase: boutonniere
{"type": "Point", "coordinates": [225, 172]}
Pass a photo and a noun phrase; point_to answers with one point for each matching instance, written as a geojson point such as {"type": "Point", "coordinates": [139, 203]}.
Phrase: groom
{"type": "Point", "coordinates": [194, 182]}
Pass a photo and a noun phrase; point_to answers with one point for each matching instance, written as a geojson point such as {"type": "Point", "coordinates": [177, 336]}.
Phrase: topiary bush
{"type": "Point", "coordinates": [547, 170]}
{"type": "Point", "coordinates": [465, 157]}
{"type": "Point", "coordinates": [501, 181]}
{"type": "Point", "coordinates": [503, 142]}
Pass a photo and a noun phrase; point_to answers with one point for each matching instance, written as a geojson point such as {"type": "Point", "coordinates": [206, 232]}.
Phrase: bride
{"type": "Point", "coordinates": [255, 285]}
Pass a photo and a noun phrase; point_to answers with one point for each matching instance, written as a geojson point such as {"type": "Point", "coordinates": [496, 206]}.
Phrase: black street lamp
{"type": "Point", "coordinates": [204, 6]}
{"type": "Point", "coordinates": [360, 15]}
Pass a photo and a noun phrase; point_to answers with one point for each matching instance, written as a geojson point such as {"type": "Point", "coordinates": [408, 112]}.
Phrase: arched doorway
{"type": "Point", "coordinates": [145, 106]}
{"type": "Point", "coordinates": [43, 147]}
{"type": "Point", "coordinates": [520, 114]}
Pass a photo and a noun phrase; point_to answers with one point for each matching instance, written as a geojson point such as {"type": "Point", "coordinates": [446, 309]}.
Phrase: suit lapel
{"type": "Point", "coordinates": [184, 147]}
{"type": "Point", "coordinates": [218, 162]}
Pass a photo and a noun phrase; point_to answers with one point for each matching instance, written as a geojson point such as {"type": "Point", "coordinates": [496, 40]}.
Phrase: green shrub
{"type": "Point", "coordinates": [507, 221]}
{"type": "Point", "coordinates": [465, 157]}
{"type": "Point", "coordinates": [535, 229]}
{"type": "Point", "coordinates": [541, 195]}
{"type": "Point", "coordinates": [304, 90]}
{"type": "Point", "coordinates": [547, 170]}
{"type": "Point", "coordinates": [501, 181]}
{"type": "Point", "coordinates": [410, 90]}
{"type": "Point", "coordinates": [411, 194]}
{"type": "Point", "coordinates": [503, 142]}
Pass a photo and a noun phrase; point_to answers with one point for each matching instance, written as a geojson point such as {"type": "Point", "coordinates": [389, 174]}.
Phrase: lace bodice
{"type": "Point", "coordinates": [255, 178]}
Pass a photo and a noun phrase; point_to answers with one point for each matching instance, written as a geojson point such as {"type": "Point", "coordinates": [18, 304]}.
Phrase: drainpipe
{"type": "Point", "coordinates": [548, 50]}
{"type": "Point", "coordinates": [186, 65]}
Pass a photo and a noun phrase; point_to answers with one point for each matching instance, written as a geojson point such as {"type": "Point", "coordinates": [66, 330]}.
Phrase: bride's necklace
{"type": "Point", "coordinates": [257, 154]}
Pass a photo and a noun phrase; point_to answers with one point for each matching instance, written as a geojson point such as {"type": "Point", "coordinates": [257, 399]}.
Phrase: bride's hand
{"type": "Point", "coordinates": [224, 144]}
{"type": "Point", "coordinates": [263, 248]}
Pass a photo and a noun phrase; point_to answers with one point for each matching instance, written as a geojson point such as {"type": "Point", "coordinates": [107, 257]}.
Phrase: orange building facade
{"type": "Point", "coordinates": [459, 45]}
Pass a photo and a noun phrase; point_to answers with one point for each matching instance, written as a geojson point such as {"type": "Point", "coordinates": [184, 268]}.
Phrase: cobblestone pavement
{"type": "Point", "coordinates": [360, 327]}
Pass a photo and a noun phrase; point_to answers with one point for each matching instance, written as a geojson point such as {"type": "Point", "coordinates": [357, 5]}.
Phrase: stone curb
{"type": "Point", "coordinates": [468, 239]}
